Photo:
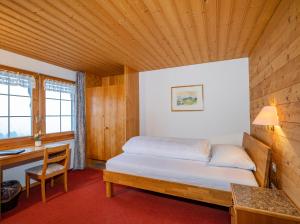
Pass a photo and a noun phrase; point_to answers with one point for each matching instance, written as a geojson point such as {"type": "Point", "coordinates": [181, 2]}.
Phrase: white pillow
{"type": "Point", "coordinates": [178, 148]}
{"type": "Point", "coordinates": [231, 156]}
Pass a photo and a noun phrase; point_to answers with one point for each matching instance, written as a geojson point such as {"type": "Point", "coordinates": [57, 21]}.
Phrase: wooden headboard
{"type": "Point", "coordinates": [261, 156]}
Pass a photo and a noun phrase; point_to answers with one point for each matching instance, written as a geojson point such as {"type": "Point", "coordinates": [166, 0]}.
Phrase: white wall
{"type": "Point", "coordinates": [226, 101]}
{"type": "Point", "coordinates": [18, 61]}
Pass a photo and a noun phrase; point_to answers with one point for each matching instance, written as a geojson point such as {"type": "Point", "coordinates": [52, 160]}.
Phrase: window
{"type": "Point", "coordinates": [16, 105]}
{"type": "Point", "coordinates": [30, 103]}
{"type": "Point", "coordinates": [59, 107]}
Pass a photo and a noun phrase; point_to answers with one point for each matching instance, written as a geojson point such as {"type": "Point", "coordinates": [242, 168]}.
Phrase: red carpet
{"type": "Point", "coordinates": [86, 203]}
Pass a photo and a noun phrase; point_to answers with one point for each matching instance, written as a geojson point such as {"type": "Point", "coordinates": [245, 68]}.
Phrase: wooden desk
{"type": "Point", "coordinates": [31, 154]}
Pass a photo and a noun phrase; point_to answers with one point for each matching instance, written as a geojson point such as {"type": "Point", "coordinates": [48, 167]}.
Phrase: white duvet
{"type": "Point", "coordinates": [179, 148]}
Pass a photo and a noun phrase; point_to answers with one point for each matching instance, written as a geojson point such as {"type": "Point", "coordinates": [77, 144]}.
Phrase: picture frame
{"type": "Point", "coordinates": [187, 98]}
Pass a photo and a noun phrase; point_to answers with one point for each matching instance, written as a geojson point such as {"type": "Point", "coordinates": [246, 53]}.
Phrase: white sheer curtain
{"type": "Point", "coordinates": [17, 79]}
{"type": "Point", "coordinates": [57, 86]}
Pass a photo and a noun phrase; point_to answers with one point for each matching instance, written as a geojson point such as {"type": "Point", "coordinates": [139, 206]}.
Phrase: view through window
{"type": "Point", "coordinates": [15, 111]}
{"type": "Point", "coordinates": [59, 111]}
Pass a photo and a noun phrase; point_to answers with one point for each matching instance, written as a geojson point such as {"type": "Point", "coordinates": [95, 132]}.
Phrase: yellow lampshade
{"type": "Point", "coordinates": [267, 116]}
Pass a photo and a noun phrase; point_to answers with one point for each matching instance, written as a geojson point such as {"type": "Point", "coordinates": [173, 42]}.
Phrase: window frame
{"type": "Point", "coordinates": [38, 114]}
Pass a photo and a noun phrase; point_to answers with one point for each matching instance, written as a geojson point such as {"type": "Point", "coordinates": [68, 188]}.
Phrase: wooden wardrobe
{"type": "Point", "coordinates": [112, 113]}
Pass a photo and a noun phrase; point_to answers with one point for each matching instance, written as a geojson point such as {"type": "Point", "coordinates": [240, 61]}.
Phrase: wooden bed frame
{"type": "Point", "coordinates": [259, 153]}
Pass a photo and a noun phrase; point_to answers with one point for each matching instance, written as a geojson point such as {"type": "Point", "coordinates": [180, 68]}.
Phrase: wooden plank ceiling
{"type": "Point", "coordinates": [99, 36]}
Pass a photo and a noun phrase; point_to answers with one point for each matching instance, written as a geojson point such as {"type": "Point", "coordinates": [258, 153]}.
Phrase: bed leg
{"type": "Point", "coordinates": [109, 189]}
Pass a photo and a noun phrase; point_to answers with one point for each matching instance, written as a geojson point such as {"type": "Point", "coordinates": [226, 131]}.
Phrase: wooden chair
{"type": "Point", "coordinates": [55, 163]}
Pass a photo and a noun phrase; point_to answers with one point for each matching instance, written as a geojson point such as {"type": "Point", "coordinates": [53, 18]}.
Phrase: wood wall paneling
{"type": "Point", "coordinates": [132, 102]}
{"type": "Point", "coordinates": [92, 80]}
{"type": "Point", "coordinates": [100, 36]}
{"type": "Point", "coordinates": [275, 80]}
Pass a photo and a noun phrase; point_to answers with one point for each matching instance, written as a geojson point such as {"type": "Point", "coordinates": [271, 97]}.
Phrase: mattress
{"type": "Point", "coordinates": [181, 171]}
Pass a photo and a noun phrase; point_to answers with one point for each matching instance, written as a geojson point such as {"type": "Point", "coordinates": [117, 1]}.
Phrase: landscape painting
{"type": "Point", "coordinates": [187, 98]}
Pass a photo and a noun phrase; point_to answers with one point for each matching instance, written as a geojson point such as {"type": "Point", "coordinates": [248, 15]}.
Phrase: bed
{"type": "Point", "coordinates": [189, 179]}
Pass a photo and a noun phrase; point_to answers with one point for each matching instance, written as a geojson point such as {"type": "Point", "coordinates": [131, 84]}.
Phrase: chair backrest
{"type": "Point", "coordinates": [58, 154]}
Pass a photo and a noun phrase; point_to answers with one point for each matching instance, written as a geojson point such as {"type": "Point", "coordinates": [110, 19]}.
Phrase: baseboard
{"type": "Point", "coordinates": [95, 164]}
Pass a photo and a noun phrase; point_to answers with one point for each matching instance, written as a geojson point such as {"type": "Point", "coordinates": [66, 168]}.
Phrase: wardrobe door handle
{"type": "Point", "coordinates": [106, 128]}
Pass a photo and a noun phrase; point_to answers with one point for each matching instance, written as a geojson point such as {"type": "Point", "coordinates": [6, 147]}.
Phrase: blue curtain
{"type": "Point", "coordinates": [80, 131]}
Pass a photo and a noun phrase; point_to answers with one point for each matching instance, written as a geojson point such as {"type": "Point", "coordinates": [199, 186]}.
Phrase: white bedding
{"type": "Point", "coordinates": [182, 148]}
{"type": "Point", "coordinates": [182, 171]}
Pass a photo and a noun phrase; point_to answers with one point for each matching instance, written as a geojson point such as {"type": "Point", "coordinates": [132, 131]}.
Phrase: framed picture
{"type": "Point", "coordinates": [187, 98]}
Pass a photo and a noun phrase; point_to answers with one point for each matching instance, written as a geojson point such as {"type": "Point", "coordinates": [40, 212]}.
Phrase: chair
{"type": "Point", "coordinates": [55, 163]}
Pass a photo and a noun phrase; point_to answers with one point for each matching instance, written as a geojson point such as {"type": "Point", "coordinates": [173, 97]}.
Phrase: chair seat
{"type": "Point", "coordinates": [53, 167]}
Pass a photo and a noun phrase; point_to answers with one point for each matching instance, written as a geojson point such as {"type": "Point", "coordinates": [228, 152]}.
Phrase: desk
{"type": "Point", "coordinates": [30, 154]}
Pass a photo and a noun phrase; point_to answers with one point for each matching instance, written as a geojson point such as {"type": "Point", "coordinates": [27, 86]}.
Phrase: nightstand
{"type": "Point", "coordinates": [255, 205]}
